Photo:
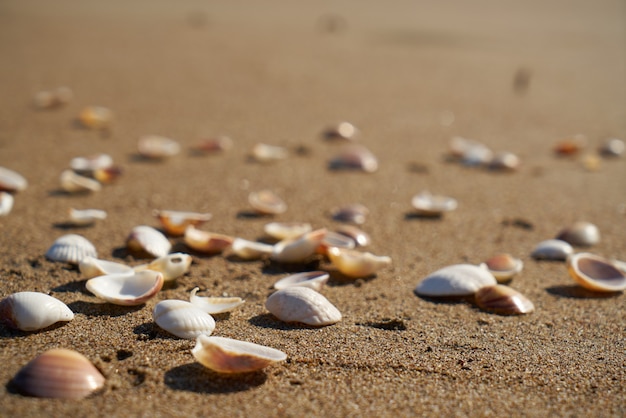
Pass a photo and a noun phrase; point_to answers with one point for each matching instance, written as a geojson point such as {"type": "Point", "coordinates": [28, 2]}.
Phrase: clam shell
{"type": "Point", "coordinates": [157, 147]}
{"type": "Point", "coordinates": [182, 319]}
{"type": "Point", "coordinates": [355, 213]}
{"type": "Point", "coordinates": [75, 183]}
{"type": "Point", "coordinates": [172, 266]}
{"type": "Point", "coordinates": [59, 373]}
{"type": "Point", "coordinates": [552, 249]}
{"type": "Point", "coordinates": [126, 289]}
{"type": "Point", "coordinates": [296, 250]}
{"type": "Point", "coordinates": [175, 222]}
{"type": "Point", "coordinates": [267, 202]}
{"type": "Point", "coordinates": [31, 311]}
{"type": "Point", "coordinates": [211, 145]}
{"type": "Point", "coordinates": [11, 181]}
{"type": "Point", "coordinates": [71, 249]}
{"type": "Point", "coordinates": [250, 250]}
{"type": "Point", "coordinates": [6, 203]}
{"type": "Point", "coordinates": [145, 239]}
{"type": "Point", "coordinates": [84, 217]}
{"type": "Point", "coordinates": [355, 157]}
{"type": "Point", "coordinates": [427, 204]}
{"type": "Point", "coordinates": [580, 233]}
{"type": "Point", "coordinates": [503, 300]}
{"type": "Point", "coordinates": [503, 266]}
{"type": "Point", "coordinates": [343, 130]}
{"type": "Point", "coordinates": [206, 242]}
{"type": "Point", "coordinates": [91, 267]}
{"type": "Point", "coordinates": [355, 264]}
{"type": "Point", "coordinates": [225, 355]}
{"type": "Point", "coordinates": [360, 237]}
{"type": "Point", "coordinates": [214, 305]}
{"type": "Point", "coordinates": [286, 230]}
{"type": "Point", "coordinates": [265, 153]}
{"type": "Point", "coordinates": [95, 117]}
{"type": "Point", "coordinates": [312, 279]}
{"type": "Point", "coordinates": [304, 305]}
{"type": "Point", "coordinates": [455, 280]}
{"type": "Point", "coordinates": [596, 273]}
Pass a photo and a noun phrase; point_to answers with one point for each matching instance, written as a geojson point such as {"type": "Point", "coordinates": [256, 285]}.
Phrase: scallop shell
{"type": "Point", "coordinates": [31, 311]}
{"type": "Point", "coordinates": [503, 300]}
{"type": "Point", "coordinates": [265, 153]}
{"type": "Point", "coordinates": [6, 203]}
{"type": "Point", "coordinates": [312, 279]}
{"type": "Point", "coordinates": [503, 266]}
{"type": "Point", "coordinates": [91, 267]}
{"type": "Point", "coordinates": [145, 239]}
{"type": "Point", "coordinates": [126, 289]}
{"type": "Point", "coordinates": [211, 145]}
{"type": "Point", "coordinates": [580, 233]}
{"type": "Point", "coordinates": [596, 273]}
{"type": "Point", "coordinates": [172, 266]}
{"type": "Point", "coordinates": [59, 373]}
{"type": "Point", "coordinates": [360, 237]}
{"type": "Point", "coordinates": [304, 305]}
{"type": "Point", "coordinates": [175, 222]}
{"type": "Point", "coordinates": [206, 242]}
{"type": "Point", "coordinates": [96, 117]}
{"type": "Point", "coordinates": [225, 355]}
{"type": "Point", "coordinates": [286, 230]}
{"type": "Point", "coordinates": [357, 264]}
{"type": "Point", "coordinates": [455, 280]}
{"type": "Point", "coordinates": [427, 204]}
{"type": "Point", "coordinates": [552, 249]}
{"type": "Point", "coordinates": [297, 250]}
{"type": "Point", "coordinates": [343, 130]}
{"type": "Point", "coordinates": [250, 250]}
{"type": "Point", "coordinates": [214, 305]}
{"type": "Point", "coordinates": [355, 213]}
{"type": "Point", "coordinates": [71, 249]}
{"type": "Point", "coordinates": [267, 202]}
{"type": "Point", "coordinates": [11, 181]}
{"type": "Point", "coordinates": [182, 319]}
{"type": "Point", "coordinates": [355, 157]}
{"type": "Point", "coordinates": [157, 147]}
{"type": "Point", "coordinates": [75, 183]}
{"type": "Point", "coordinates": [82, 217]}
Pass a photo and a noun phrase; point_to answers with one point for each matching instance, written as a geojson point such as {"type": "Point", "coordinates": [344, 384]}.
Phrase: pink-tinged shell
{"type": "Point", "coordinates": [96, 117]}
{"type": "Point", "coordinates": [286, 230]}
{"type": "Point", "coordinates": [251, 250]}
{"type": "Point", "coordinates": [503, 266]}
{"type": "Point", "coordinates": [182, 319]}
{"type": "Point", "coordinates": [11, 181]}
{"type": "Point", "coordinates": [427, 204]}
{"type": "Point", "coordinates": [145, 239]}
{"type": "Point", "coordinates": [355, 157]}
{"type": "Point", "coordinates": [91, 267]}
{"type": "Point", "coordinates": [360, 237]}
{"type": "Point", "coordinates": [297, 250]}
{"type": "Point", "coordinates": [59, 373]}
{"type": "Point", "coordinates": [6, 203]}
{"type": "Point", "coordinates": [126, 289]}
{"type": "Point", "coordinates": [343, 130]}
{"type": "Point", "coordinates": [157, 147]}
{"type": "Point", "coordinates": [75, 183]}
{"type": "Point", "coordinates": [267, 202]}
{"type": "Point", "coordinates": [503, 300]}
{"type": "Point", "coordinates": [32, 311]}
{"type": "Point", "coordinates": [455, 280]}
{"type": "Point", "coordinates": [303, 305]}
{"type": "Point", "coordinates": [355, 213]}
{"type": "Point", "coordinates": [265, 153]}
{"type": "Point", "coordinates": [175, 222]}
{"type": "Point", "coordinates": [580, 233]}
{"type": "Point", "coordinates": [206, 242]}
{"type": "Point", "coordinates": [214, 305]}
{"type": "Point", "coordinates": [71, 249]}
{"type": "Point", "coordinates": [312, 279]}
{"type": "Point", "coordinates": [225, 355]}
{"type": "Point", "coordinates": [596, 273]}
{"type": "Point", "coordinates": [172, 266]}
{"type": "Point", "coordinates": [356, 264]}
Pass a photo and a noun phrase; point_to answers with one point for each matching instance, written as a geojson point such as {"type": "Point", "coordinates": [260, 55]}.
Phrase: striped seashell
{"type": "Point", "coordinates": [32, 311]}
{"type": "Point", "coordinates": [182, 319]}
{"type": "Point", "coordinates": [71, 248]}
{"type": "Point", "coordinates": [304, 305]}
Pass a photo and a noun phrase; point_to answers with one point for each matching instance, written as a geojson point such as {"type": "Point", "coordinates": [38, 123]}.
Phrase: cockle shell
{"type": "Point", "coordinates": [286, 230]}
{"type": "Point", "coordinates": [455, 280]}
{"type": "Point", "coordinates": [355, 157]}
{"type": "Point", "coordinates": [552, 249]}
{"type": "Point", "coordinates": [360, 237]}
{"type": "Point", "coordinates": [31, 311]}
{"type": "Point", "coordinates": [250, 250]}
{"type": "Point", "coordinates": [302, 304]}
{"type": "Point", "coordinates": [225, 355]}
{"type": "Point", "coordinates": [96, 117]}
{"type": "Point", "coordinates": [71, 249]}
{"type": "Point", "coordinates": [267, 202]}
{"type": "Point", "coordinates": [175, 222]}
{"type": "Point", "coordinates": [214, 305]}
{"type": "Point", "coordinates": [59, 373]}
{"type": "Point", "coordinates": [172, 266]}
{"type": "Point", "coordinates": [82, 217]}
{"type": "Point", "coordinates": [206, 242]}
{"type": "Point", "coordinates": [126, 289]}
{"type": "Point", "coordinates": [296, 250]}
{"type": "Point", "coordinates": [145, 239]}
{"type": "Point", "coordinates": [182, 319]}
{"type": "Point", "coordinates": [427, 204]}
{"type": "Point", "coordinates": [355, 264]}
{"type": "Point", "coordinates": [596, 273]}
{"type": "Point", "coordinates": [75, 183]}
{"type": "Point", "coordinates": [355, 213]}
{"type": "Point", "coordinates": [503, 300]}
{"type": "Point", "coordinates": [157, 147]}
{"type": "Point", "coordinates": [11, 181]}
{"type": "Point", "coordinates": [265, 153]}
{"type": "Point", "coordinates": [91, 267]}
{"type": "Point", "coordinates": [312, 279]}
{"type": "Point", "coordinates": [6, 203]}
{"type": "Point", "coordinates": [343, 130]}
{"type": "Point", "coordinates": [580, 233]}
{"type": "Point", "coordinates": [503, 266]}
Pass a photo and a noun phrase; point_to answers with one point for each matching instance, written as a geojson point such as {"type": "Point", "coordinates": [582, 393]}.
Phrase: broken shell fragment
{"type": "Point", "coordinates": [225, 355]}
{"type": "Point", "coordinates": [206, 242]}
{"type": "Point", "coordinates": [157, 147]}
{"type": "Point", "coordinates": [503, 266]}
{"type": "Point", "coordinates": [59, 373]}
{"type": "Point", "coordinates": [126, 289]}
{"type": "Point", "coordinates": [265, 153]}
{"type": "Point", "coordinates": [172, 266]}
{"type": "Point", "coordinates": [552, 249]}
{"type": "Point", "coordinates": [175, 222]}
{"type": "Point", "coordinates": [596, 273]}
{"type": "Point", "coordinates": [297, 250]}
{"type": "Point", "coordinates": [214, 305]}
{"type": "Point", "coordinates": [11, 181]}
{"type": "Point", "coordinates": [96, 117]}
{"type": "Point", "coordinates": [71, 249]}
{"type": "Point", "coordinates": [182, 319]}
{"type": "Point", "coordinates": [32, 311]}
{"type": "Point", "coordinates": [431, 205]}
{"type": "Point", "coordinates": [355, 213]}
{"type": "Point", "coordinates": [6, 203]}
{"type": "Point", "coordinates": [580, 233]}
{"type": "Point", "coordinates": [356, 264]}
{"type": "Point", "coordinates": [343, 130]}
{"type": "Point", "coordinates": [250, 250]}
{"type": "Point", "coordinates": [267, 202]}
{"type": "Point", "coordinates": [455, 280]}
{"type": "Point", "coordinates": [360, 237]}
{"type": "Point", "coordinates": [355, 157]}
{"type": "Point", "coordinates": [312, 279]}
{"type": "Point", "coordinates": [503, 300]}
{"type": "Point", "coordinates": [75, 183]}
{"type": "Point", "coordinates": [286, 230]}
{"type": "Point", "coordinates": [91, 267]}
{"type": "Point", "coordinates": [84, 217]}
{"type": "Point", "coordinates": [304, 305]}
{"type": "Point", "coordinates": [145, 239]}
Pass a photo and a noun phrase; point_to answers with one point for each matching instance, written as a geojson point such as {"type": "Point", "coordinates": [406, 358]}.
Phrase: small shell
{"type": "Point", "coordinates": [96, 117]}
{"type": "Point", "coordinates": [212, 145]}
{"type": "Point", "coordinates": [11, 181]}
{"type": "Point", "coordinates": [335, 240]}
{"type": "Point", "coordinates": [503, 266]}
{"type": "Point", "coordinates": [503, 300]}
{"type": "Point", "coordinates": [469, 151]}
{"type": "Point", "coordinates": [570, 146]}
{"type": "Point", "coordinates": [286, 230]}
{"type": "Point", "coordinates": [157, 147]}
{"type": "Point", "coordinates": [49, 99]}
{"type": "Point", "coordinates": [71, 249]}
{"type": "Point", "coordinates": [182, 319]}
{"type": "Point", "coordinates": [145, 239]}
{"type": "Point", "coordinates": [596, 273]}
{"type": "Point", "coordinates": [6, 203]}
{"type": "Point", "coordinates": [357, 264]}
{"type": "Point", "coordinates": [355, 157]}
{"type": "Point", "coordinates": [172, 266]}
{"type": "Point", "coordinates": [87, 165]}
{"type": "Point", "coordinates": [302, 304]}
{"type": "Point", "coordinates": [225, 355]}
{"type": "Point", "coordinates": [580, 233]}
{"type": "Point", "coordinates": [175, 222]}
{"type": "Point", "coordinates": [505, 161]}
{"type": "Point", "coordinates": [360, 237]}
{"type": "Point", "coordinates": [613, 147]}
{"type": "Point", "coordinates": [107, 175]}
{"type": "Point", "coordinates": [86, 216]}
{"type": "Point", "coordinates": [75, 183]}
{"type": "Point", "coordinates": [126, 289]}
{"type": "Point", "coordinates": [267, 202]}
{"type": "Point", "coordinates": [59, 373]}
{"type": "Point", "coordinates": [354, 213]}
{"type": "Point", "coordinates": [455, 280]}
{"type": "Point", "coordinates": [343, 130]}
{"type": "Point", "coordinates": [32, 311]}
{"type": "Point", "coordinates": [265, 153]}
{"type": "Point", "coordinates": [206, 242]}
{"type": "Point", "coordinates": [296, 250]}
{"type": "Point", "coordinates": [427, 204]}
{"type": "Point", "coordinates": [91, 267]}
{"type": "Point", "coordinates": [214, 305]}
{"type": "Point", "coordinates": [552, 249]}
{"type": "Point", "coordinates": [250, 250]}
{"type": "Point", "coordinates": [312, 279]}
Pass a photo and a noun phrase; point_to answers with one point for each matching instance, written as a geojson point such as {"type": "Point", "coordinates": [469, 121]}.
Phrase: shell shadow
{"type": "Point", "coordinates": [194, 377]}
{"type": "Point", "coordinates": [101, 309]}
{"type": "Point", "coordinates": [339, 279]}
{"type": "Point", "coordinates": [274, 268]}
{"type": "Point", "coordinates": [151, 331]}
{"type": "Point", "coordinates": [63, 193]}
{"type": "Point", "coordinates": [409, 216]}
{"type": "Point", "coordinates": [250, 214]}
{"type": "Point", "coordinates": [74, 286]}
{"type": "Point", "coordinates": [8, 332]}
{"type": "Point", "coordinates": [138, 158]}
{"type": "Point", "coordinates": [70, 225]}
{"type": "Point", "coordinates": [579, 292]}
{"type": "Point", "coordinates": [270, 321]}
{"type": "Point", "coordinates": [447, 300]}
{"type": "Point", "coordinates": [385, 324]}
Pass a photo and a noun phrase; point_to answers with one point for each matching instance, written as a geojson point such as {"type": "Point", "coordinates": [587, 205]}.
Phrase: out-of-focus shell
{"type": "Point", "coordinates": [296, 250]}
{"type": "Point", "coordinates": [552, 249]}
{"type": "Point", "coordinates": [212, 145]}
{"type": "Point", "coordinates": [214, 305]}
{"type": "Point", "coordinates": [126, 289]}
{"type": "Point", "coordinates": [360, 237]}
{"type": "Point", "coordinates": [93, 267]}
{"type": "Point", "coordinates": [225, 355]}
{"type": "Point", "coordinates": [355, 264]}
{"type": "Point", "coordinates": [11, 181]}
{"type": "Point", "coordinates": [206, 242]}
{"type": "Point", "coordinates": [87, 165]}
{"type": "Point", "coordinates": [145, 239]}
{"type": "Point", "coordinates": [59, 373]}
{"type": "Point", "coordinates": [312, 279]}
{"type": "Point", "coordinates": [427, 204]}
{"type": "Point", "coordinates": [6, 203]}
{"type": "Point", "coordinates": [71, 249]}
{"type": "Point", "coordinates": [596, 273]}
{"type": "Point", "coordinates": [182, 319]}
{"type": "Point", "coordinates": [267, 202]}
{"type": "Point", "coordinates": [265, 153]}
{"type": "Point", "coordinates": [570, 146]}
{"type": "Point", "coordinates": [335, 240]}
{"type": "Point", "coordinates": [503, 300]}
{"type": "Point", "coordinates": [580, 233]}
{"type": "Point", "coordinates": [175, 222]}
{"type": "Point", "coordinates": [49, 99]}
{"type": "Point", "coordinates": [355, 157]}
{"type": "Point", "coordinates": [503, 266]}
{"type": "Point", "coordinates": [343, 130]}
{"type": "Point", "coordinates": [96, 117]}
{"type": "Point", "coordinates": [75, 183]}
{"type": "Point", "coordinates": [31, 311]}
{"type": "Point", "coordinates": [250, 250]}
{"type": "Point", "coordinates": [505, 161]}
{"type": "Point", "coordinates": [455, 280]}
{"type": "Point", "coordinates": [83, 217]}
{"type": "Point", "coordinates": [613, 147]}
{"type": "Point", "coordinates": [302, 304]}
{"type": "Point", "coordinates": [469, 151]}
{"type": "Point", "coordinates": [355, 213]}
{"type": "Point", "coordinates": [286, 230]}
{"type": "Point", "coordinates": [157, 147]}
{"type": "Point", "coordinates": [172, 266]}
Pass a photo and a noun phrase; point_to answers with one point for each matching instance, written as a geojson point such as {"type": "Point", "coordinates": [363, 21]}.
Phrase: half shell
{"type": "Point", "coordinates": [31, 311]}
{"type": "Point", "coordinates": [552, 249]}
{"type": "Point", "coordinates": [427, 204]}
{"type": "Point", "coordinates": [225, 355]}
{"type": "Point", "coordinates": [214, 305]}
{"type": "Point", "coordinates": [83, 217]}
{"type": "Point", "coordinates": [182, 319]}
{"type": "Point", "coordinates": [503, 300]}
{"type": "Point", "coordinates": [126, 289]}
{"type": "Point", "coordinates": [312, 279]}
{"type": "Point", "coordinates": [267, 202]}
{"type": "Point", "coordinates": [355, 157]}
{"type": "Point", "coordinates": [206, 242]}
{"type": "Point", "coordinates": [250, 250]}
{"type": "Point", "coordinates": [71, 249]}
{"type": "Point", "coordinates": [91, 267]}
{"type": "Point", "coordinates": [145, 239]}
{"type": "Point", "coordinates": [175, 222]}
{"type": "Point", "coordinates": [157, 147]}
{"type": "Point", "coordinates": [286, 230]}
{"type": "Point", "coordinates": [503, 266]}
{"type": "Point", "coordinates": [596, 273]}
{"type": "Point", "coordinates": [355, 263]}
{"type": "Point", "coordinates": [580, 233]}
{"type": "Point", "coordinates": [335, 240]}
{"type": "Point", "coordinates": [6, 203]}
{"type": "Point", "coordinates": [172, 266]}
{"type": "Point", "coordinates": [302, 304]}
{"type": "Point", "coordinates": [455, 280]}
{"type": "Point", "coordinates": [297, 250]}
{"type": "Point", "coordinates": [11, 181]}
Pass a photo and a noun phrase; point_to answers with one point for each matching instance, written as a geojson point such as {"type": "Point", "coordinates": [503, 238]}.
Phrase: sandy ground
{"type": "Point", "coordinates": [410, 75]}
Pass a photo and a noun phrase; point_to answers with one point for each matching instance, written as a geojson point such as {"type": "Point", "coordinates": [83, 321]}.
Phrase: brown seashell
{"type": "Point", "coordinates": [213, 145]}
{"type": "Point", "coordinates": [503, 266]}
{"type": "Point", "coordinates": [206, 242]}
{"type": "Point", "coordinates": [176, 222]}
{"type": "Point", "coordinates": [570, 146]}
{"type": "Point", "coordinates": [580, 233]}
{"type": "Point", "coordinates": [596, 273]}
{"type": "Point", "coordinates": [267, 202]}
{"type": "Point", "coordinates": [96, 117]}
{"type": "Point", "coordinates": [354, 213]}
{"type": "Point", "coordinates": [355, 157]}
{"type": "Point", "coordinates": [503, 300]}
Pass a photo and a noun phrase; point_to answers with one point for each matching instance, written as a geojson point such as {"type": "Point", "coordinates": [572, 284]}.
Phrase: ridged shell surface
{"type": "Point", "coordinates": [455, 280]}
{"type": "Point", "coordinates": [182, 319]}
{"type": "Point", "coordinates": [225, 355]}
{"type": "Point", "coordinates": [503, 300]}
{"type": "Point", "coordinates": [71, 248]}
{"type": "Point", "coordinates": [31, 311]}
{"type": "Point", "coordinates": [301, 304]}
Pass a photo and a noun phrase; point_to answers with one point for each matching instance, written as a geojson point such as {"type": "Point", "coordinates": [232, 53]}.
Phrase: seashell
{"type": "Point", "coordinates": [172, 266]}
{"type": "Point", "coordinates": [503, 300]}
{"type": "Point", "coordinates": [59, 373]}
{"type": "Point", "coordinates": [206, 242]}
{"type": "Point", "coordinates": [312, 279]}
{"type": "Point", "coordinates": [48, 99]}
{"type": "Point", "coordinates": [552, 249]}
{"type": "Point", "coordinates": [91, 267]}
{"type": "Point", "coordinates": [212, 145]}
{"type": "Point", "coordinates": [505, 161]}
{"type": "Point", "coordinates": [455, 280]}
{"type": "Point", "coordinates": [355, 157]}
{"type": "Point", "coordinates": [71, 249]}
{"type": "Point", "coordinates": [32, 311]}
{"type": "Point", "coordinates": [470, 152]}
{"type": "Point", "coordinates": [182, 319]}
{"type": "Point", "coordinates": [612, 147]}
{"type": "Point", "coordinates": [361, 238]}
{"type": "Point", "coordinates": [297, 250]}
{"type": "Point", "coordinates": [343, 130]}
{"type": "Point", "coordinates": [354, 213]}
{"type": "Point", "coordinates": [95, 117]}
{"type": "Point", "coordinates": [214, 305]}
{"type": "Point", "coordinates": [126, 289]}
{"type": "Point", "coordinates": [225, 355]}
{"type": "Point", "coordinates": [87, 165]}
{"type": "Point", "coordinates": [621, 265]}
{"type": "Point", "coordinates": [355, 264]}
{"type": "Point", "coordinates": [591, 162]}
{"type": "Point", "coordinates": [335, 240]}
{"type": "Point", "coordinates": [596, 273]}
{"type": "Point", "coordinates": [145, 239]}
{"type": "Point", "coordinates": [428, 204]}
{"type": "Point", "coordinates": [286, 230]}
{"type": "Point", "coordinates": [250, 250]}
{"type": "Point", "coordinates": [302, 304]}
{"type": "Point", "coordinates": [157, 147]}
{"type": "Point", "coordinates": [107, 175]}
{"type": "Point", "coordinates": [503, 266]}
{"type": "Point", "coordinates": [11, 181]}
{"type": "Point", "coordinates": [570, 146]}
{"type": "Point", "coordinates": [75, 183]}
{"type": "Point", "coordinates": [175, 222]}
{"type": "Point", "coordinates": [86, 216]}
{"type": "Point", "coordinates": [265, 153]}
{"type": "Point", "coordinates": [267, 202]}
{"type": "Point", "coordinates": [6, 203]}
{"type": "Point", "coordinates": [580, 233]}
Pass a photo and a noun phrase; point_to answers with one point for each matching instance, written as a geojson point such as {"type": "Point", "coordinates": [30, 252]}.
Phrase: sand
{"type": "Point", "coordinates": [410, 75]}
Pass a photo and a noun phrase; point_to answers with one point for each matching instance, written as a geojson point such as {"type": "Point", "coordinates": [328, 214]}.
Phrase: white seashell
{"type": "Point", "coordinates": [503, 300]}
{"type": "Point", "coordinates": [31, 311]}
{"type": "Point", "coordinates": [96, 117]}
{"type": "Point", "coordinates": [126, 289]}
{"type": "Point", "coordinates": [286, 230]}
{"type": "Point", "coordinates": [88, 165]}
{"type": "Point", "coordinates": [335, 240]}
{"type": "Point", "coordinates": [75, 183]}
{"type": "Point", "coordinates": [296, 250]}
{"type": "Point", "coordinates": [355, 264]}
{"type": "Point", "coordinates": [505, 161]}
{"type": "Point", "coordinates": [6, 203]}
{"type": "Point", "coordinates": [302, 304]}
{"type": "Point", "coordinates": [360, 238]}
{"type": "Point", "coordinates": [214, 305]}
{"type": "Point", "coordinates": [91, 267]}
{"type": "Point", "coordinates": [71, 249]}
{"type": "Point", "coordinates": [86, 216]}
{"type": "Point", "coordinates": [343, 130]}
{"type": "Point", "coordinates": [312, 279]}
{"type": "Point", "coordinates": [620, 265]}
{"type": "Point", "coordinates": [157, 147]}
{"type": "Point", "coordinates": [470, 152]}
{"type": "Point", "coordinates": [355, 157]}
{"type": "Point", "coordinates": [428, 204]}
{"type": "Point", "coordinates": [580, 233]}
{"type": "Point", "coordinates": [355, 213]}
{"type": "Point", "coordinates": [11, 181]}
{"type": "Point", "coordinates": [455, 280]}
{"type": "Point", "coordinates": [172, 266]}
{"type": "Point", "coordinates": [267, 202]}
{"type": "Point", "coordinates": [206, 242]}
{"type": "Point", "coordinates": [182, 319]}
{"type": "Point", "coordinates": [250, 250]}
{"type": "Point", "coordinates": [145, 239]}
{"type": "Point", "coordinates": [225, 355]}
{"type": "Point", "coordinates": [613, 147]}
{"type": "Point", "coordinates": [175, 222]}
{"type": "Point", "coordinates": [596, 273]}
{"type": "Point", "coordinates": [503, 266]}
{"type": "Point", "coordinates": [265, 153]}
{"type": "Point", "coordinates": [552, 249]}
